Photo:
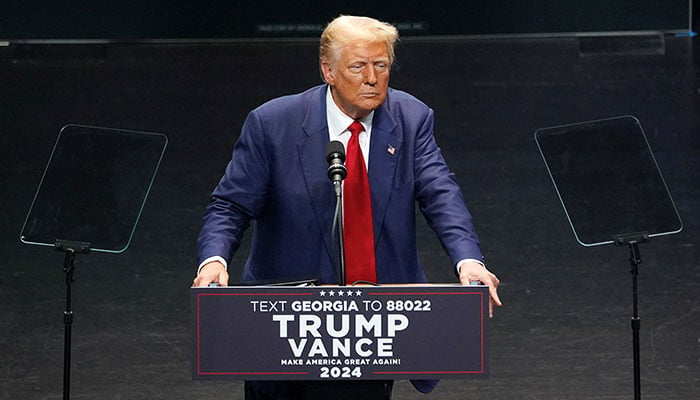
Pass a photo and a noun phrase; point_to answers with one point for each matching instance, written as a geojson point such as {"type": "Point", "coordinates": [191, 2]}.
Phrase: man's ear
{"type": "Point", "coordinates": [327, 72]}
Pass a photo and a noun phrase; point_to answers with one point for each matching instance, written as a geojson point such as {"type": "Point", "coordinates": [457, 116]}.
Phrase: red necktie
{"type": "Point", "coordinates": [357, 225]}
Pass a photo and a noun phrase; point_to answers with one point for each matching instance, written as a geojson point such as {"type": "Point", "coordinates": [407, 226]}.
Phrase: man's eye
{"type": "Point", "coordinates": [380, 66]}
{"type": "Point", "coordinates": [356, 68]}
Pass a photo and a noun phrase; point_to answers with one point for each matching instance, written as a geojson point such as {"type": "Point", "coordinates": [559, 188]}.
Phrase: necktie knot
{"type": "Point", "coordinates": [355, 128]}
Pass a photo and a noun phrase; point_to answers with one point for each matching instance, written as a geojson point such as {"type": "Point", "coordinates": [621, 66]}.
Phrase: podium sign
{"type": "Point", "coordinates": [333, 332]}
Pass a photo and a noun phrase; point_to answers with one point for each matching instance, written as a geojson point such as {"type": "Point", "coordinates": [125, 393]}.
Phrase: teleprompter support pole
{"type": "Point", "coordinates": [632, 241]}
{"type": "Point", "coordinates": [636, 323]}
{"type": "Point", "coordinates": [68, 268]}
{"type": "Point", "coordinates": [70, 249]}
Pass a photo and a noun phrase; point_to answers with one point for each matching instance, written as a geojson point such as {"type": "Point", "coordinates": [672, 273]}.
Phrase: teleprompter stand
{"type": "Point", "coordinates": [632, 241]}
{"type": "Point", "coordinates": [70, 249]}
{"type": "Point", "coordinates": [612, 191]}
{"type": "Point", "coordinates": [90, 198]}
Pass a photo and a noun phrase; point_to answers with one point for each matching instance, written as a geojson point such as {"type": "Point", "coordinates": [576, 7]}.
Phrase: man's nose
{"type": "Point", "coordinates": [370, 76]}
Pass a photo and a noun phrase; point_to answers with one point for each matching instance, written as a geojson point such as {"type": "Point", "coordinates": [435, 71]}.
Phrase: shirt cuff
{"type": "Point", "coordinates": [211, 259]}
{"type": "Point", "coordinates": [459, 264]}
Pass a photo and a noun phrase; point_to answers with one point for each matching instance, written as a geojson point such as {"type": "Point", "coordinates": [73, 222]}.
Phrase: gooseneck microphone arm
{"type": "Point", "coordinates": [335, 155]}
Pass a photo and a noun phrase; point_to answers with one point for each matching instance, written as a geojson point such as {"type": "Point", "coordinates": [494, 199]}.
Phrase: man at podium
{"type": "Point", "coordinates": [277, 178]}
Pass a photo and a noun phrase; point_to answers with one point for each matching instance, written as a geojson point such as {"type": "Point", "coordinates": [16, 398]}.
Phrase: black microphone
{"type": "Point", "coordinates": [335, 155]}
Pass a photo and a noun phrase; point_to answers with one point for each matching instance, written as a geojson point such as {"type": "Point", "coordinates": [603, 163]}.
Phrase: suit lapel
{"type": "Point", "coordinates": [311, 150]}
{"type": "Point", "coordinates": [385, 147]}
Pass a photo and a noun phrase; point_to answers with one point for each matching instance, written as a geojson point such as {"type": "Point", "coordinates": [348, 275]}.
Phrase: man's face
{"type": "Point", "coordinates": [359, 78]}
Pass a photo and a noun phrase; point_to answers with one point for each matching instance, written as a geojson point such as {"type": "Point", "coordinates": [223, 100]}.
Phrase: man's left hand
{"type": "Point", "coordinates": [473, 271]}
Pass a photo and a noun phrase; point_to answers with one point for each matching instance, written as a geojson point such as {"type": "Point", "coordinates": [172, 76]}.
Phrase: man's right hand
{"type": "Point", "coordinates": [213, 272]}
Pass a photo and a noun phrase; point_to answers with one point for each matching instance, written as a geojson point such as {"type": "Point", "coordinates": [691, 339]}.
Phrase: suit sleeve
{"type": "Point", "coordinates": [239, 196]}
{"type": "Point", "coordinates": [440, 199]}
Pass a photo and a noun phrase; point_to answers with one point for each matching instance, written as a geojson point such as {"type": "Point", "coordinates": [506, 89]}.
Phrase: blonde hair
{"type": "Point", "coordinates": [348, 29]}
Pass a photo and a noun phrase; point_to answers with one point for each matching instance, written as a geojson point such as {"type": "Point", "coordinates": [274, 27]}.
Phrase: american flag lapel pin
{"type": "Point", "coordinates": [390, 149]}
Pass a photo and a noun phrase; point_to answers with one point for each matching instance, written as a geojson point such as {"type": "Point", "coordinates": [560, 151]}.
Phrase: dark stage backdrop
{"type": "Point", "coordinates": [220, 19]}
{"type": "Point", "coordinates": [564, 331]}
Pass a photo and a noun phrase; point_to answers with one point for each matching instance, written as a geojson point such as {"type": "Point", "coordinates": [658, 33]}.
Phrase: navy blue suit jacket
{"type": "Point", "coordinates": [277, 178]}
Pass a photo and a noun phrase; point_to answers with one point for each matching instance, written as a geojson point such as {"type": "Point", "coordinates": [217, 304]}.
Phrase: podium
{"type": "Point", "coordinates": [340, 332]}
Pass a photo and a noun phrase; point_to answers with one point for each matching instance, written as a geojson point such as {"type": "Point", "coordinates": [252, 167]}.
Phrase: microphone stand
{"type": "Point", "coordinates": [338, 186]}
{"type": "Point", "coordinates": [335, 155]}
